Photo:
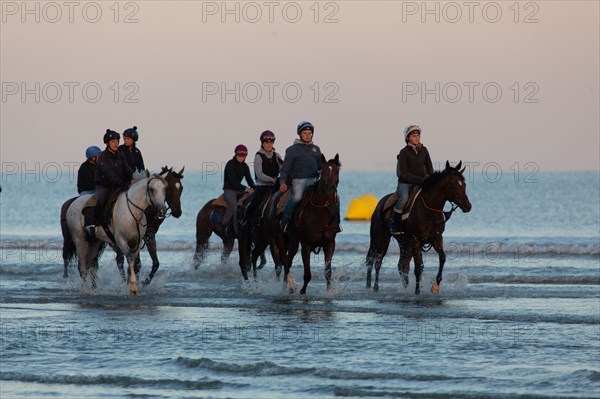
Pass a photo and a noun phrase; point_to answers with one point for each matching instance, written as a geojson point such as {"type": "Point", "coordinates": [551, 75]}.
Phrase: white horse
{"type": "Point", "coordinates": [128, 225]}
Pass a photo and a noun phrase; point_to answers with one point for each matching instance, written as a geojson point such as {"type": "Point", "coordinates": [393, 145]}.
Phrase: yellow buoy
{"type": "Point", "coordinates": [361, 208]}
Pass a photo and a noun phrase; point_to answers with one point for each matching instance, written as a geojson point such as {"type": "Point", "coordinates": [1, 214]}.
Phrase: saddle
{"type": "Point", "coordinates": [105, 217]}
{"type": "Point", "coordinates": [220, 201]}
{"type": "Point", "coordinates": [283, 199]}
{"type": "Point", "coordinates": [412, 197]}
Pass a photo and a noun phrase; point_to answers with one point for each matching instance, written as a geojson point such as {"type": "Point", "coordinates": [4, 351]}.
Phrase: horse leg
{"type": "Point", "coordinates": [91, 260]}
{"type": "Point", "coordinates": [132, 278]}
{"type": "Point", "coordinates": [404, 261]}
{"type": "Point", "coordinates": [263, 260]}
{"type": "Point", "coordinates": [244, 249]}
{"type": "Point", "coordinates": [201, 247]}
{"type": "Point", "coordinates": [306, 261]}
{"type": "Point", "coordinates": [287, 276]}
{"type": "Point", "coordinates": [439, 248]}
{"type": "Point", "coordinates": [276, 259]}
{"type": "Point", "coordinates": [120, 258]}
{"type": "Point", "coordinates": [328, 253]}
{"type": "Point", "coordinates": [418, 257]}
{"type": "Point", "coordinates": [151, 245]}
{"type": "Point", "coordinates": [227, 248]}
{"type": "Point", "coordinates": [379, 254]}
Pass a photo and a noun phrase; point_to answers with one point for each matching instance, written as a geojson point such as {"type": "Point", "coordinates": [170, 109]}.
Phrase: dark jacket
{"type": "Point", "coordinates": [413, 166]}
{"type": "Point", "coordinates": [301, 161]}
{"type": "Point", "coordinates": [134, 157]}
{"type": "Point", "coordinates": [86, 177]}
{"type": "Point", "coordinates": [112, 170]}
{"type": "Point", "coordinates": [234, 173]}
{"type": "Point", "coordinates": [266, 170]}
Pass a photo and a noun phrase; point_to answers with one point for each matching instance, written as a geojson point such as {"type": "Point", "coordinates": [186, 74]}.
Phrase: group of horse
{"type": "Point", "coordinates": [139, 212]}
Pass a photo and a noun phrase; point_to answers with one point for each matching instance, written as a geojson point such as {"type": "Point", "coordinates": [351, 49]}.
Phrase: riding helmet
{"type": "Point", "coordinates": [305, 125]}
{"type": "Point", "coordinates": [111, 134]}
{"type": "Point", "coordinates": [267, 135]}
{"type": "Point", "coordinates": [131, 132]}
{"type": "Point", "coordinates": [241, 149]}
{"type": "Point", "coordinates": [92, 152]}
{"type": "Point", "coordinates": [411, 129]}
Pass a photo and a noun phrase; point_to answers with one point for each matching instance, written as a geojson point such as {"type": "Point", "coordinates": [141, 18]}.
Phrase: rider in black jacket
{"type": "Point", "coordinates": [112, 173]}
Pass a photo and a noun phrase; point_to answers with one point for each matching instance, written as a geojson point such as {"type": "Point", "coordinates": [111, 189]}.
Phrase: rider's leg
{"type": "Point", "coordinates": [403, 190]}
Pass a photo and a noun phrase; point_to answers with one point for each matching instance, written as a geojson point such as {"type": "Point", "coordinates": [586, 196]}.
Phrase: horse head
{"type": "Point", "coordinates": [174, 189]}
{"type": "Point", "coordinates": [330, 175]}
{"type": "Point", "coordinates": [156, 191]}
{"type": "Point", "coordinates": [457, 188]}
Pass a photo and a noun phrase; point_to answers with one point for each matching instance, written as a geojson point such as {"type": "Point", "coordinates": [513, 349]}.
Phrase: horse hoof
{"type": "Point", "coordinates": [435, 288]}
{"type": "Point", "coordinates": [376, 287]}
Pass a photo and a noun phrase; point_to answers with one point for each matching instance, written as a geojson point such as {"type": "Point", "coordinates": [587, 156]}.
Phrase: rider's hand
{"type": "Point", "coordinates": [249, 190]}
{"type": "Point", "coordinates": [283, 187]}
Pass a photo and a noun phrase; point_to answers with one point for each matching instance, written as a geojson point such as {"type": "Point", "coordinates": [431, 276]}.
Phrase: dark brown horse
{"type": "Point", "coordinates": [208, 221]}
{"type": "Point", "coordinates": [314, 225]}
{"type": "Point", "coordinates": [254, 233]}
{"type": "Point", "coordinates": [173, 199]}
{"type": "Point", "coordinates": [424, 226]}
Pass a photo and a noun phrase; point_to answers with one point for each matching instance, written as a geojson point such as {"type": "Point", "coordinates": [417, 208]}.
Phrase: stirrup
{"type": "Point", "coordinates": [90, 231]}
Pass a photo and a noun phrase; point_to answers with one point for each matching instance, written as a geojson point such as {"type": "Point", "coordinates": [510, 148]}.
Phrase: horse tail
{"type": "Point", "coordinates": [69, 250]}
{"type": "Point", "coordinates": [378, 232]}
{"type": "Point", "coordinates": [203, 231]}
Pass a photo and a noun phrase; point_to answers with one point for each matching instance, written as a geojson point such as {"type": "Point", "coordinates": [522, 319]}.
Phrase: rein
{"type": "Point", "coordinates": [137, 222]}
{"type": "Point", "coordinates": [447, 214]}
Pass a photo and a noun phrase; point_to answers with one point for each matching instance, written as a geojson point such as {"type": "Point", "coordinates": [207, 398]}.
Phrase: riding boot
{"type": "Point", "coordinates": [396, 225]}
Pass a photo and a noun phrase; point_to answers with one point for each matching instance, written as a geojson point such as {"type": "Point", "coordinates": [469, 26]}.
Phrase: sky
{"type": "Point", "coordinates": [514, 85]}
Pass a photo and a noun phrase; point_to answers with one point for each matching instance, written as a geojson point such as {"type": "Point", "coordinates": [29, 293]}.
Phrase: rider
{"type": "Point", "coordinates": [236, 169]}
{"type": "Point", "coordinates": [302, 164]}
{"type": "Point", "coordinates": [413, 164]}
{"type": "Point", "coordinates": [86, 175]}
{"type": "Point", "coordinates": [112, 173]}
{"type": "Point", "coordinates": [266, 170]}
{"type": "Point", "coordinates": [129, 148]}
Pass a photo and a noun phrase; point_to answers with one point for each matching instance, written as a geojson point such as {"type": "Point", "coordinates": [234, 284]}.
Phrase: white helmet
{"type": "Point", "coordinates": [411, 129]}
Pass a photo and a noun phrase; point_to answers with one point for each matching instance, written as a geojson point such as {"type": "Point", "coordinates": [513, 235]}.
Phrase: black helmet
{"type": "Point", "coordinates": [111, 134]}
{"type": "Point", "coordinates": [305, 125]}
{"type": "Point", "coordinates": [131, 132]}
{"type": "Point", "coordinates": [267, 135]}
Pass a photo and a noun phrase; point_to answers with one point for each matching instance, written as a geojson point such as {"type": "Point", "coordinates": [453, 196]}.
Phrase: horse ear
{"type": "Point", "coordinates": [447, 165]}
{"type": "Point", "coordinates": [147, 173]}
{"type": "Point", "coordinates": [337, 158]}
{"type": "Point", "coordinates": [458, 166]}
{"type": "Point", "coordinates": [323, 159]}
{"type": "Point", "coordinates": [181, 172]}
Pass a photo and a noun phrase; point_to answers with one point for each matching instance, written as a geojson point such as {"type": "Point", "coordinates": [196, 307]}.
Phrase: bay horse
{"type": "Point", "coordinates": [254, 233]}
{"type": "Point", "coordinates": [424, 226]}
{"type": "Point", "coordinates": [208, 221]}
{"type": "Point", "coordinates": [314, 225]}
{"type": "Point", "coordinates": [128, 226]}
{"type": "Point", "coordinates": [174, 190]}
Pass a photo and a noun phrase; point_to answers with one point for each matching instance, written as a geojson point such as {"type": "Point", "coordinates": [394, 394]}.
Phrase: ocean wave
{"type": "Point", "coordinates": [491, 248]}
{"type": "Point", "coordinates": [113, 380]}
{"type": "Point", "coordinates": [266, 368]}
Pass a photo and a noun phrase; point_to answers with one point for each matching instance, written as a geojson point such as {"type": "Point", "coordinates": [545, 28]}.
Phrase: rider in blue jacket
{"type": "Point", "coordinates": [302, 165]}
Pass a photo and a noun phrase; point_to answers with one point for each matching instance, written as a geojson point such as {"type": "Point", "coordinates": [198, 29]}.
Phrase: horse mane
{"type": "Point", "coordinates": [139, 175]}
{"type": "Point", "coordinates": [436, 176]}
{"type": "Point", "coordinates": [171, 171]}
